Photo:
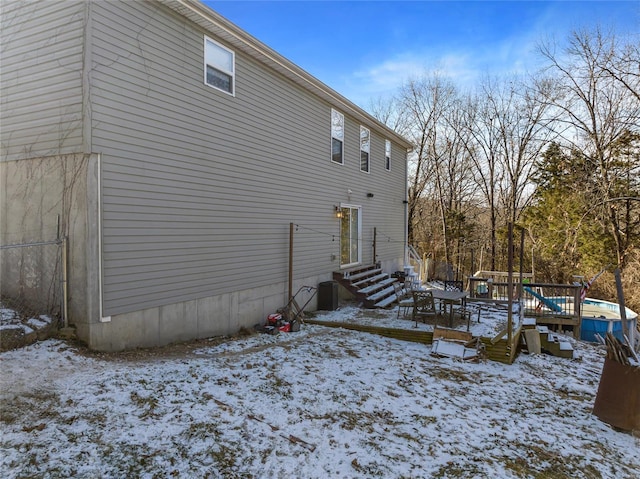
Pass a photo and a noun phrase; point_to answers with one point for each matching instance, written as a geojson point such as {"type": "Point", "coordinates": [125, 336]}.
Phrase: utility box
{"type": "Point", "coordinates": [328, 296]}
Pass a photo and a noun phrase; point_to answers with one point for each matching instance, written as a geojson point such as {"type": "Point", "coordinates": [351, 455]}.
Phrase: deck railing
{"type": "Point", "coordinates": [553, 304]}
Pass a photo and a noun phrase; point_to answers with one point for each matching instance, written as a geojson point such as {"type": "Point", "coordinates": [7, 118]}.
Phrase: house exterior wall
{"type": "Point", "coordinates": [41, 94]}
{"type": "Point", "coordinates": [44, 170]}
{"type": "Point", "coordinates": [190, 191]}
{"type": "Point", "coordinates": [199, 186]}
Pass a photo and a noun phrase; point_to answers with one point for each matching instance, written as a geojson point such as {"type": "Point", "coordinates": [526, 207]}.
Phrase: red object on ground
{"type": "Point", "coordinates": [285, 328]}
{"type": "Point", "coordinates": [273, 319]}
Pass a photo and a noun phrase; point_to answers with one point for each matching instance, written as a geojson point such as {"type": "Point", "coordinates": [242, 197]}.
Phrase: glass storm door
{"type": "Point", "coordinates": [350, 226]}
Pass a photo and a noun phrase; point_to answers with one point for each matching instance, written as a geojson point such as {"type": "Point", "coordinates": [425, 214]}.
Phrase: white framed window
{"type": "Point", "coordinates": [365, 148]}
{"type": "Point", "coordinates": [337, 137]}
{"type": "Point", "coordinates": [350, 235]}
{"type": "Point", "coordinates": [387, 155]}
{"type": "Point", "coordinates": [219, 66]}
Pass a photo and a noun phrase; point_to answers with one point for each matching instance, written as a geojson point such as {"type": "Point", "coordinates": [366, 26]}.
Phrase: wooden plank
{"type": "Point", "coordinates": [499, 351]}
{"type": "Point", "coordinates": [447, 333]}
{"type": "Point", "coordinates": [386, 302]}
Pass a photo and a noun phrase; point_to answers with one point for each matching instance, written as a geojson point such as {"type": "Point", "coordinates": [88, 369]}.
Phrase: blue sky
{"type": "Point", "coordinates": [366, 49]}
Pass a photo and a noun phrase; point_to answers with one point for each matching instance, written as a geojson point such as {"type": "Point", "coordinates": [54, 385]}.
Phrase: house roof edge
{"type": "Point", "coordinates": [215, 23]}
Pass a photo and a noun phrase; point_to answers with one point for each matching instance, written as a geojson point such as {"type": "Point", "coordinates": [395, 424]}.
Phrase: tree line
{"type": "Point", "coordinates": [555, 152]}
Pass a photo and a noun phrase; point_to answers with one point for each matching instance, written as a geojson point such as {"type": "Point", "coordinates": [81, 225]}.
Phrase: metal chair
{"type": "Point", "coordinates": [424, 306]}
{"type": "Point", "coordinates": [404, 298]}
{"type": "Point", "coordinates": [453, 286]}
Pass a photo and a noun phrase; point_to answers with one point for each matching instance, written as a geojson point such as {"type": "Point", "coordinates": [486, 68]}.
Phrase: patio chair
{"type": "Point", "coordinates": [424, 306]}
{"type": "Point", "coordinates": [465, 314]}
{"type": "Point", "coordinates": [453, 286]}
{"type": "Point", "coordinates": [404, 298]}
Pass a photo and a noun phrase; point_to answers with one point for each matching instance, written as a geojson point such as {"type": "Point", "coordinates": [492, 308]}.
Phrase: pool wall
{"type": "Point", "coordinates": [602, 325]}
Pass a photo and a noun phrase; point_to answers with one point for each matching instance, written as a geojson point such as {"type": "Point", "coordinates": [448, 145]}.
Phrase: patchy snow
{"type": "Point", "coordinates": [16, 327]}
{"type": "Point", "coordinates": [8, 316]}
{"type": "Point", "coordinates": [322, 402]}
{"type": "Point", "coordinates": [487, 320]}
{"type": "Point", "coordinates": [40, 322]}
{"type": "Point", "coordinates": [10, 319]}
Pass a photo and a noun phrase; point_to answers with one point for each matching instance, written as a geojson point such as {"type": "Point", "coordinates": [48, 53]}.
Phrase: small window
{"type": "Point", "coordinates": [219, 66]}
{"type": "Point", "coordinates": [365, 146]}
{"type": "Point", "coordinates": [337, 137]}
{"type": "Point", "coordinates": [387, 155]}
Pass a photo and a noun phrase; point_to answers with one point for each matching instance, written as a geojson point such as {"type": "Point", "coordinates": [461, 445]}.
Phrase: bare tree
{"type": "Point", "coordinates": [423, 102]}
{"type": "Point", "coordinates": [622, 62]}
{"type": "Point", "coordinates": [428, 111]}
{"type": "Point", "coordinates": [597, 111]}
{"type": "Point", "coordinates": [481, 143]}
{"type": "Point", "coordinates": [388, 111]}
{"type": "Point", "coordinates": [454, 180]}
{"type": "Point", "coordinates": [524, 126]}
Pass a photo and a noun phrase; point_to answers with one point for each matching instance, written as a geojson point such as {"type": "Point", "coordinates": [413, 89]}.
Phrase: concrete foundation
{"type": "Point", "coordinates": [41, 199]}
{"type": "Point", "coordinates": [197, 319]}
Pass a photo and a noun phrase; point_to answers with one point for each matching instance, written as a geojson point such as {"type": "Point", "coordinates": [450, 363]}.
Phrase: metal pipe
{"type": "Point", "coordinates": [510, 287]}
{"type": "Point", "coordinates": [375, 231]}
{"type": "Point", "coordinates": [290, 261]}
{"type": "Point", "coordinates": [623, 309]}
{"type": "Point", "coordinates": [65, 286]}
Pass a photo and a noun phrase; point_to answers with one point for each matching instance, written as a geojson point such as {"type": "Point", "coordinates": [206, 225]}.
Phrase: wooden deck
{"type": "Point", "coordinates": [537, 298]}
{"type": "Point", "coordinates": [497, 350]}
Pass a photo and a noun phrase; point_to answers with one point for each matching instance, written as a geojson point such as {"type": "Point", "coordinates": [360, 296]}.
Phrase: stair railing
{"type": "Point", "coordinates": [416, 261]}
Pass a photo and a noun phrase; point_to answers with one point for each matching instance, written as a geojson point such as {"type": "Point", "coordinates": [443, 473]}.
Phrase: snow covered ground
{"type": "Point", "coordinates": [318, 403]}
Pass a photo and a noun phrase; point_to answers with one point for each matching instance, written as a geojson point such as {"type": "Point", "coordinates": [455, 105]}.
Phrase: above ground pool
{"type": "Point", "coordinates": [600, 317]}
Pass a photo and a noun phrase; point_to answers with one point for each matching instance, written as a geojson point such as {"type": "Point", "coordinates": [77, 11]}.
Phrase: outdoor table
{"type": "Point", "coordinates": [450, 299]}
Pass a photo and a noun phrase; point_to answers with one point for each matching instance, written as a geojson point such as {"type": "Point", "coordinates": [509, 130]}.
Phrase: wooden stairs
{"type": "Point", "coordinates": [370, 285]}
{"type": "Point", "coordinates": [550, 342]}
{"type": "Point", "coordinates": [554, 344]}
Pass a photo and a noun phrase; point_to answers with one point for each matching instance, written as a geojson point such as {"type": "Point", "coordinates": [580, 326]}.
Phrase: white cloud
{"type": "Point", "coordinates": [384, 78]}
{"type": "Point", "coordinates": [465, 68]}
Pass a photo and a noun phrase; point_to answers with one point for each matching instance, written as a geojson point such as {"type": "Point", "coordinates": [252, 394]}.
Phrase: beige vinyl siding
{"type": "Point", "coordinates": [199, 187]}
{"type": "Point", "coordinates": [41, 94]}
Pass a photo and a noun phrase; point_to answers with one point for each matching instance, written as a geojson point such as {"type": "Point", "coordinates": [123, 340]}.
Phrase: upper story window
{"type": "Point", "coordinates": [337, 137]}
{"type": "Point", "coordinates": [365, 146]}
{"type": "Point", "coordinates": [219, 66]}
{"type": "Point", "coordinates": [387, 155]}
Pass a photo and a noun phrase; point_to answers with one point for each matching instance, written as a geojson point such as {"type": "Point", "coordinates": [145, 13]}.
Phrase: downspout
{"type": "Point", "coordinates": [95, 260]}
{"type": "Point", "coordinates": [65, 283]}
{"type": "Point", "coordinates": [405, 202]}
{"type": "Point", "coordinates": [87, 146]}
{"type": "Point", "coordinates": [103, 318]}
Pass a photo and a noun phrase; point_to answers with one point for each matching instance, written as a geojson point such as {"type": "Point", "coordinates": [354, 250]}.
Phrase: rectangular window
{"type": "Point", "coordinates": [337, 137]}
{"type": "Point", "coordinates": [387, 155]}
{"type": "Point", "coordinates": [365, 146]}
{"type": "Point", "coordinates": [219, 66]}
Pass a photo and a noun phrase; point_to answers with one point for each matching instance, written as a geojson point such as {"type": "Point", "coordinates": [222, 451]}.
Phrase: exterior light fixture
{"type": "Point", "coordinates": [338, 212]}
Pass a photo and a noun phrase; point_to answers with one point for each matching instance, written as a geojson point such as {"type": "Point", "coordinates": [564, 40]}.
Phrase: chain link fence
{"type": "Point", "coordinates": [31, 280]}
